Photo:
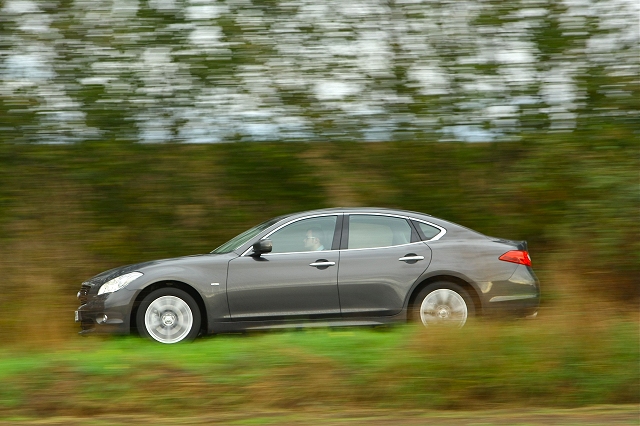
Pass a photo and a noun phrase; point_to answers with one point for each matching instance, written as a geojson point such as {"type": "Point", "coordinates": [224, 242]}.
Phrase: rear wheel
{"type": "Point", "coordinates": [443, 304]}
{"type": "Point", "coordinates": [169, 315]}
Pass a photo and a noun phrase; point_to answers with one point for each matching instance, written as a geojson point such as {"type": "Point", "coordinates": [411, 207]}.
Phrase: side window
{"type": "Point", "coordinates": [367, 231]}
{"type": "Point", "coordinates": [313, 234]}
{"type": "Point", "coordinates": [427, 230]}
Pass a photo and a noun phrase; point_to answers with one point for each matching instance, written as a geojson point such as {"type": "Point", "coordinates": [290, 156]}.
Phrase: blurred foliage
{"type": "Point", "coordinates": [69, 212]}
{"type": "Point", "coordinates": [130, 202]}
{"type": "Point", "coordinates": [547, 363]}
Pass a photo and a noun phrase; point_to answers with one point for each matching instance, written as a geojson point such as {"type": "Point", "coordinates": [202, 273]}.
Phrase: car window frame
{"type": "Point", "coordinates": [423, 238]}
{"type": "Point", "coordinates": [344, 241]}
{"type": "Point", "coordinates": [274, 221]}
{"type": "Point", "coordinates": [335, 240]}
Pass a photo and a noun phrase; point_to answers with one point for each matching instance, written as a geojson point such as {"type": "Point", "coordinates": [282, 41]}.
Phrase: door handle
{"type": "Point", "coordinates": [322, 263]}
{"type": "Point", "coordinates": [411, 258]}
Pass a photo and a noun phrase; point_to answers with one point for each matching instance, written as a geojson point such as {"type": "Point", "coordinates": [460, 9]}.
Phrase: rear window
{"type": "Point", "coordinates": [427, 230]}
{"type": "Point", "coordinates": [367, 231]}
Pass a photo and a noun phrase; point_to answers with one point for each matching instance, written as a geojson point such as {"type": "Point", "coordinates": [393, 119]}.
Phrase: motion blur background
{"type": "Point", "coordinates": [133, 130]}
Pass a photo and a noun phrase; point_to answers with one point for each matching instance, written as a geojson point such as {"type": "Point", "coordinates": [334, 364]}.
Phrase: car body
{"type": "Point", "coordinates": [340, 266]}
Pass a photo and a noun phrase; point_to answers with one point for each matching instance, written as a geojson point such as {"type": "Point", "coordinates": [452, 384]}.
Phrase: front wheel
{"type": "Point", "coordinates": [443, 303]}
{"type": "Point", "coordinates": [169, 315]}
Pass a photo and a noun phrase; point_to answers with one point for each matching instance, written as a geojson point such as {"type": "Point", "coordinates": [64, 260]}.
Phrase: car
{"type": "Point", "coordinates": [330, 267]}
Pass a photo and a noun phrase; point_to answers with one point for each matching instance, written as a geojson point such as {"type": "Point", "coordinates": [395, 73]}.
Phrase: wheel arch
{"type": "Point", "coordinates": [471, 290]}
{"type": "Point", "coordinates": [133, 328]}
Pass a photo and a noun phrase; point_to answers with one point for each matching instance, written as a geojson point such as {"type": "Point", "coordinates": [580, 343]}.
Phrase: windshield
{"type": "Point", "coordinates": [237, 241]}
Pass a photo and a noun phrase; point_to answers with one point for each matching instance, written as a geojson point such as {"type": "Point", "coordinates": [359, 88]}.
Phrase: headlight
{"type": "Point", "coordinates": [119, 282]}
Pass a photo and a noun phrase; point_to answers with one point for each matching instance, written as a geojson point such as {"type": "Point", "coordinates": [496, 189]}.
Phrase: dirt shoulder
{"type": "Point", "coordinates": [601, 415]}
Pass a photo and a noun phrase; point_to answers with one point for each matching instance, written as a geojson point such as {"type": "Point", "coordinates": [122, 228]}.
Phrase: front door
{"type": "Point", "coordinates": [298, 279]}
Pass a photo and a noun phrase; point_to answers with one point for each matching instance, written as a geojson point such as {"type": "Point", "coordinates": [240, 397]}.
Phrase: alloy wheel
{"type": "Point", "coordinates": [168, 319]}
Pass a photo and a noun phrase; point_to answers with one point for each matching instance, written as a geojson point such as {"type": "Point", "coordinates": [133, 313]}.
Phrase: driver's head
{"type": "Point", "coordinates": [313, 239]}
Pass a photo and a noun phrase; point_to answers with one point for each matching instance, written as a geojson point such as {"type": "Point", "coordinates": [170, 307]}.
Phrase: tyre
{"type": "Point", "coordinates": [169, 315]}
{"type": "Point", "coordinates": [443, 304]}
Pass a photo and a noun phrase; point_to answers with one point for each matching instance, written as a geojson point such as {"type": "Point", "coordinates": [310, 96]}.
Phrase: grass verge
{"type": "Point", "coordinates": [555, 362]}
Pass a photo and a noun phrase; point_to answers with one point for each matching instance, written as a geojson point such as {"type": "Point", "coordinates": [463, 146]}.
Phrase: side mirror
{"type": "Point", "coordinates": [261, 247]}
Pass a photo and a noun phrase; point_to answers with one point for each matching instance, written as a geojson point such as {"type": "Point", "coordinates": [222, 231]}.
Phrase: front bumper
{"type": "Point", "coordinates": [104, 314]}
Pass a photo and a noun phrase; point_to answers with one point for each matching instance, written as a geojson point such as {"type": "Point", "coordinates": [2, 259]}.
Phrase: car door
{"type": "Point", "coordinates": [298, 279]}
{"type": "Point", "coordinates": [380, 260]}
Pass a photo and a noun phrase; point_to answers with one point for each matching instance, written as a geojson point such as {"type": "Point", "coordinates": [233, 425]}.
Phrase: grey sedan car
{"type": "Point", "coordinates": [341, 266]}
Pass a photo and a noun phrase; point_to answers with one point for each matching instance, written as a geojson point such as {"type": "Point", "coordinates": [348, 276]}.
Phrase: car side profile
{"type": "Point", "coordinates": [331, 267]}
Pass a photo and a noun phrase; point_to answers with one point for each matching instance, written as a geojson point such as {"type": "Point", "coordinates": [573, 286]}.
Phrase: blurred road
{"type": "Point", "coordinates": [602, 415]}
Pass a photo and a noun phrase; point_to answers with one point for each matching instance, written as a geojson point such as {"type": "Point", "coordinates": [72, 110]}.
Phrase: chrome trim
{"type": "Point", "coordinates": [288, 223]}
{"type": "Point", "coordinates": [437, 237]}
{"type": "Point", "coordinates": [508, 298]}
{"type": "Point", "coordinates": [410, 258]}
{"type": "Point", "coordinates": [380, 214]}
{"type": "Point", "coordinates": [298, 252]}
{"type": "Point", "coordinates": [322, 264]}
{"type": "Point", "coordinates": [442, 230]}
{"type": "Point", "coordinates": [385, 247]}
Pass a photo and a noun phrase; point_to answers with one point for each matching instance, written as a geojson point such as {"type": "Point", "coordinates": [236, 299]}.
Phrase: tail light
{"type": "Point", "coordinates": [520, 257]}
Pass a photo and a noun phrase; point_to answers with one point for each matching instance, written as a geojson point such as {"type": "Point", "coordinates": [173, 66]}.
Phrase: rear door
{"type": "Point", "coordinates": [380, 259]}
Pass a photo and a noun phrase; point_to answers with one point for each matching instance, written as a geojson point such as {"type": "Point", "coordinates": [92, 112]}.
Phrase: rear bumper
{"type": "Point", "coordinates": [525, 307]}
{"type": "Point", "coordinates": [517, 297]}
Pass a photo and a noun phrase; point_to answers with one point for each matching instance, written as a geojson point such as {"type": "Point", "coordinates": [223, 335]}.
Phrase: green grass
{"type": "Point", "coordinates": [551, 363]}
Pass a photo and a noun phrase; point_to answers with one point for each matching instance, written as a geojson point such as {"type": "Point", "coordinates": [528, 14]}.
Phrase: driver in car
{"type": "Point", "coordinates": [313, 240]}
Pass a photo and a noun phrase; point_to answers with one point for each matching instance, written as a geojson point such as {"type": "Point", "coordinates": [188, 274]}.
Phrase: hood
{"type": "Point", "coordinates": [105, 276]}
